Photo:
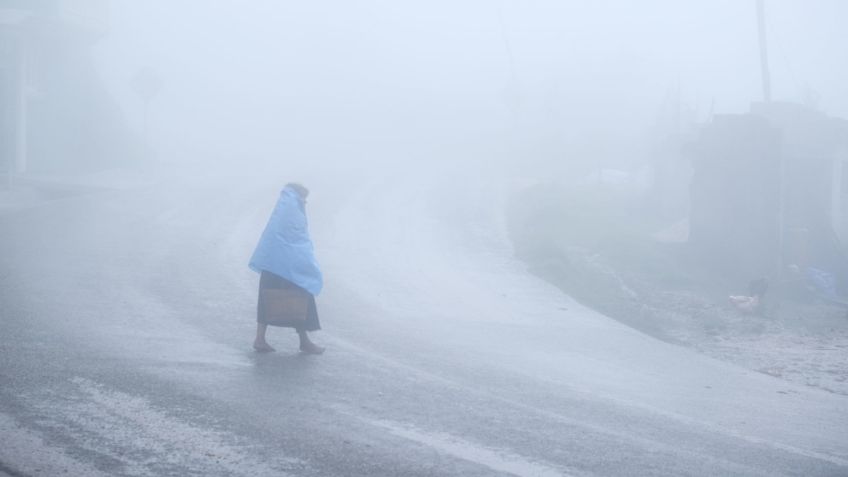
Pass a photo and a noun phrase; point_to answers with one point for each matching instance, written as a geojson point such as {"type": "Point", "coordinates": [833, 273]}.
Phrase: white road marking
{"type": "Point", "coordinates": [147, 440]}
{"type": "Point", "coordinates": [499, 460]}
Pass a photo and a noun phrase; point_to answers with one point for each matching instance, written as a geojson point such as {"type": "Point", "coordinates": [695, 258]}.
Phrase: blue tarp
{"type": "Point", "coordinates": [823, 284]}
{"type": "Point", "coordinates": [285, 248]}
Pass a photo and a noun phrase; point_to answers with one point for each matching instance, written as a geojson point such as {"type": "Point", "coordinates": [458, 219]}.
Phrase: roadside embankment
{"type": "Point", "coordinates": [599, 247]}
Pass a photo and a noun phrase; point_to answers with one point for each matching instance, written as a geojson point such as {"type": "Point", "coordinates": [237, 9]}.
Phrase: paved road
{"type": "Point", "coordinates": [127, 318]}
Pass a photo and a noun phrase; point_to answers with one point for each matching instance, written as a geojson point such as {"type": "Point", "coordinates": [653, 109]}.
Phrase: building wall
{"type": "Point", "coordinates": [735, 196]}
{"type": "Point", "coordinates": [771, 189]}
{"type": "Point", "coordinates": [59, 115]}
{"type": "Point", "coordinates": [6, 125]}
{"type": "Point", "coordinates": [12, 103]}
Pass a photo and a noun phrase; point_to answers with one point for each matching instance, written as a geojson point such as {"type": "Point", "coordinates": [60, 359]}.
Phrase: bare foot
{"type": "Point", "coordinates": [311, 348]}
{"type": "Point", "coordinates": [263, 347]}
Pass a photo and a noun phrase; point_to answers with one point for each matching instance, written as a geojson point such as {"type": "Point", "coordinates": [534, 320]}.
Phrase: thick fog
{"type": "Point", "coordinates": [544, 237]}
{"type": "Point", "coordinates": [531, 81]}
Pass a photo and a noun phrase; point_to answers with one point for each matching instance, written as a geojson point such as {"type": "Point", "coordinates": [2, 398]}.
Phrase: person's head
{"type": "Point", "coordinates": [302, 191]}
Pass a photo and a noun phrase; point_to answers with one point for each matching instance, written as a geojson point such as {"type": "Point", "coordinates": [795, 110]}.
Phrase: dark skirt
{"type": "Point", "coordinates": [268, 280]}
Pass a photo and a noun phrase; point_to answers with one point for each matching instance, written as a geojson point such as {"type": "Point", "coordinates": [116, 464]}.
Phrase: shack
{"type": "Point", "coordinates": [770, 190]}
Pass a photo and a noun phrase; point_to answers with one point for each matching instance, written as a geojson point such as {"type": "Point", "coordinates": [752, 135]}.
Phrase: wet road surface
{"type": "Point", "coordinates": [127, 319]}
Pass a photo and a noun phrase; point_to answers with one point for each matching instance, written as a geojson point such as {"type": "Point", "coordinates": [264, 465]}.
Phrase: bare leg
{"type": "Point", "coordinates": [306, 345]}
{"type": "Point", "coordinates": [259, 344]}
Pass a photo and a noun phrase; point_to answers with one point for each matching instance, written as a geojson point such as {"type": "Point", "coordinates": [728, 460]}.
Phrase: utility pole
{"type": "Point", "coordinates": [147, 85]}
{"type": "Point", "coordinates": [761, 21]}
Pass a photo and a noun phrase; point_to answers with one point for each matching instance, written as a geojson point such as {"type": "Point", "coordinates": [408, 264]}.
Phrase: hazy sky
{"type": "Point", "coordinates": [329, 77]}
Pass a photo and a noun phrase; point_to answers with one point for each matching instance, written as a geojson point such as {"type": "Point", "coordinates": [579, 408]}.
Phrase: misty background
{"type": "Point", "coordinates": [539, 223]}
{"type": "Point", "coordinates": [540, 82]}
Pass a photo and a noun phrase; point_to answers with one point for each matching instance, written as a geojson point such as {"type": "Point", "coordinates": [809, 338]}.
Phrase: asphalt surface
{"type": "Point", "coordinates": [128, 315]}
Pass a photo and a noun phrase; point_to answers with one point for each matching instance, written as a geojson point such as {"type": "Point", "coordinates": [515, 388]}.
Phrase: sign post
{"type": "Point", "coordinates": [147, 85]}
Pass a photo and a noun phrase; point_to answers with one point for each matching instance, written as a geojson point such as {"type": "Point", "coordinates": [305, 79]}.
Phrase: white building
{"type": "Point", "coordinates": [23, 24]}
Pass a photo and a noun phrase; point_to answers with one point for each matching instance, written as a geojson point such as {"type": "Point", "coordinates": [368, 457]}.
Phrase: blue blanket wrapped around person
{"type": "Point", "coordinates": [285, 248]}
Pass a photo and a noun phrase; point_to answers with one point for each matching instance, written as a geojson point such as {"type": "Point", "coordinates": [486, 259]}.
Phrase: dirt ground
{"type": "Point", "coordinates": [805, 342]}
{"type": "Point", "coordinates": [653, 288]}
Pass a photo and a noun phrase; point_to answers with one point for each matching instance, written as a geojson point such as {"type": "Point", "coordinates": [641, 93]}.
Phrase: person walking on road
{"type": "Point", "coordinates": [289, 274]}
